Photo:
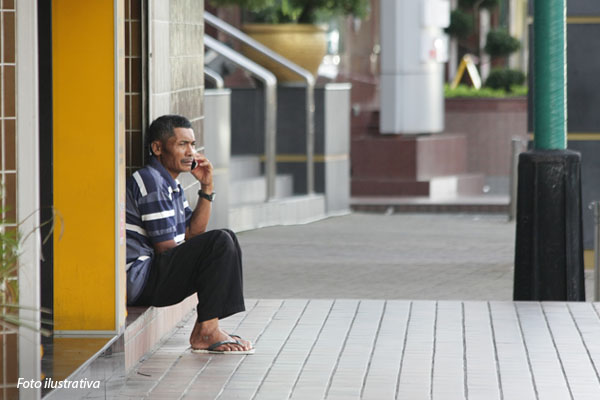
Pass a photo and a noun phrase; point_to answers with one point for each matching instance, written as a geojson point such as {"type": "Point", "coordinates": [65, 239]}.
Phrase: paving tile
{"type": "Point", "coordinates": [448, 380]}
{"type": "Point", "coordinates": [516, 380]}
{"type": "Point", "coordinates": [417, 363]}
{"type": "Point", "coordinates": [582, 376]}
{"type": "Point", "coordinates": [275, 334]}
{"type": "Point", "coordinates": [314, 379]}
{"type": "Point", "coordinates": [352, 366]}
{"type": "Point", "coordinates": [548, 376]}
{"type": "Point", "coordinates": [588, 323]}
{"type": "Point", "coordinates": [383, 349]}
{"type": "Point", "coordinates": [480, 353]}
{"type": "Point", "coordinates": [378, 349]}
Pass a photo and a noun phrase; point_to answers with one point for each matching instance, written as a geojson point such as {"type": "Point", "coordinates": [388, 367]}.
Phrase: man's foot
{"type": "Point", "coordinates": [207, 336]}
{"type": "Point", "coordinates": [238, 338]}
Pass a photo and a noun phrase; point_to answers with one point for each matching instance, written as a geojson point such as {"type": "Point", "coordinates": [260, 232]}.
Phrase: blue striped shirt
{"type": "Point", "coordinates": [156, 211]}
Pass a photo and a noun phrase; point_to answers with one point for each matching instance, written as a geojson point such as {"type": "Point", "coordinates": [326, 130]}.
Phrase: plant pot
{"type": "Point", "coordinates": [303, 44]}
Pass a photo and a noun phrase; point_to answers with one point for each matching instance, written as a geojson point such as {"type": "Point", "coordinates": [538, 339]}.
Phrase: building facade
{"type": "Point", "coordinates": [80, 80]}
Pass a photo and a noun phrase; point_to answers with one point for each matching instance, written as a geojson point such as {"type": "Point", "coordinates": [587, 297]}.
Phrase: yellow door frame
{"type": "Point", "coordinates": [89, 166]}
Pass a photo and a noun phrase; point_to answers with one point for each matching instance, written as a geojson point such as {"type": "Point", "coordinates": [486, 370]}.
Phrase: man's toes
{"type": "Point", "coordinates": [232, 347]}
{"type": "Point", "coordinates": [238, 347]}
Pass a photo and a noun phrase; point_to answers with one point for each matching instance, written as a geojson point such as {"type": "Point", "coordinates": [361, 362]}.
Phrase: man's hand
{"type": "Point", "coordinates": [203, 171]}
{"type": "Point", "coordinates": [201, 214]}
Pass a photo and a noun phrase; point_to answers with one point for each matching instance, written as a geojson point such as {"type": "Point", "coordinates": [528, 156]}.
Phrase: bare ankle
{"type": "Point", "coordinates": [204, 330]}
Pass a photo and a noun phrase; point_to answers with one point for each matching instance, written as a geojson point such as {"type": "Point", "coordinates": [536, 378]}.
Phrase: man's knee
{"type": "Point", "coordinates": [231, 234]}
{"type": "Point", "coordinates": [225, 240]}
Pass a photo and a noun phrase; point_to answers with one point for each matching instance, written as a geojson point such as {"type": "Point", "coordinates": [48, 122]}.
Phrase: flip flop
{"type": "Point", "coordinates": [237, 338]}
{"type": "Point", "coordinates": [212, 347]}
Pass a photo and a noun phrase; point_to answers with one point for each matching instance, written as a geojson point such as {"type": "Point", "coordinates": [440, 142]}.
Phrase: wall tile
{"type": "Point", "coordinates": [160, 105]}
{"type": "Point", "coordinates": [186, 72]}
{"type": "Point", "coordinates": [160, 10]}
{"type": "Point", "coordinates": [10, 149]}
{"type": "Point", "coordinates": [188, 103]}
{"type": "Point", "coordinates": [9, 90]}
{"type": "Point", "coordinates": [9, 36]}
{"type": "Point", "coordinates": [10, 193]}
{"type": "Point", "coordinates": [160, 58]}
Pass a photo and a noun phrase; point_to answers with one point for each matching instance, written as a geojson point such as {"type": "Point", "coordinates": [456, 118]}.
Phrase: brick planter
{"type": "Point", "coordinates": [489, 124]}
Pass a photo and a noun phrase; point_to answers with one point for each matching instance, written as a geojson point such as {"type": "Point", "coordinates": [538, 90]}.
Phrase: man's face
{"type": "Point", "coordinates": [177, 153]}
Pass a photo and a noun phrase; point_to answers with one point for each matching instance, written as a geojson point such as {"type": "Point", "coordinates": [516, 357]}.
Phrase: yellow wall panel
{"type": "Point", "coordinates": [84, 163]}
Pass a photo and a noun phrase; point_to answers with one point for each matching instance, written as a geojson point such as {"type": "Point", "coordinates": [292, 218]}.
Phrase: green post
{"type": "Point", "coordinates": [549, 240]}
{"type": "Point", "coordinates": [550, 70]}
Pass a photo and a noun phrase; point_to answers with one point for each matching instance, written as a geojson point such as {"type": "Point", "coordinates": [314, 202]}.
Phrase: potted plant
{"type": "Point", "coordinates": [10, 249]}
{"type": "Point", "coordinates": [293, 28]}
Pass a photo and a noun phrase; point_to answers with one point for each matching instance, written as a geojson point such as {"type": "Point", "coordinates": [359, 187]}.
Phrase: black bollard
{"type": "Point", "coordinates": [549, 241]}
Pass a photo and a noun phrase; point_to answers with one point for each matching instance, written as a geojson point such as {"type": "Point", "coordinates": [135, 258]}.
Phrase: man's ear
{"type": "Point", "coordinates": [156, 147]}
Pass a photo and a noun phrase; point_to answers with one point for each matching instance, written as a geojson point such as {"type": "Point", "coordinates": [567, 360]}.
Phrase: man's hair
{"type": "Point", "coordinates": [162, 128]}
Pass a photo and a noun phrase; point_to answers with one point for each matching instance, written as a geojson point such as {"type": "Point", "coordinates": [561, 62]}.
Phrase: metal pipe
{"type": "Point", "coordinates": [310, 138]}
{"type": "Point", "coordinates": [550, 75]}
{"type": "Point", "coordinates": [214, 77]}
{"type": "Point", "coordinates": [284, 62]}
{"type": "Point", "coordinates": [517, 145]}
{"type": "Point", "coordinates": [595, 206]}
{"type": "Point", "coordinates": [270, 83]}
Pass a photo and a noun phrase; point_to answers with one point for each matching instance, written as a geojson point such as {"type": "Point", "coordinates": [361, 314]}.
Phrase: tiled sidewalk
{"type": "Point", "coordinates": [376, 349]}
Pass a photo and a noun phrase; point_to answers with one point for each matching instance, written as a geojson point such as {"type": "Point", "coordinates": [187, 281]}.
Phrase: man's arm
{"type": "Point", "coordinates": [201, 214]}
{"type": "Point", "coordinates": [164, 246]}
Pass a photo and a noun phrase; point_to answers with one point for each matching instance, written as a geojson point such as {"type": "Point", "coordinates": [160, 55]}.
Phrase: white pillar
{"type": "Point", "coordinates": [413, 50]}
{"type": "Point", "coordinates": [485, 63]}
{"type": "Point", "coordinates": [453, 49]}
{"type": "Point", "coordinates": [28, 191]}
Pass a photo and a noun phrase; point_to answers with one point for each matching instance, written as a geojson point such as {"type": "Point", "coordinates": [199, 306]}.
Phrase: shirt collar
{"type": "Point", "coordinates": [154, 163]}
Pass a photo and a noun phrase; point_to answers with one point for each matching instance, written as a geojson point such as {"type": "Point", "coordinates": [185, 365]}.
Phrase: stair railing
{"type": "Point", "coordinates": [270, 83]}
{"type": "Point", "coordinates": [595, 207]}
{"type": "Point", "coordinates": [304, 74]}
{"type": "Point", "coordinates": [214, 77]}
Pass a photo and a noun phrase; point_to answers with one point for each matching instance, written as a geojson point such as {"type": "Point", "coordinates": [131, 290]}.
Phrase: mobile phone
{"type": "Point", "coordinates": [198, 150]}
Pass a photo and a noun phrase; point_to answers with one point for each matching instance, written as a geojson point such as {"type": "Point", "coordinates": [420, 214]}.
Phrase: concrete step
{"type": "Point", "coordinates": [285, 211]}
{"type": "Point", "coordinates": [456, 185]}
{"type": "Point", "coordinates": [467, 204]}
{"type": "Point", "coordinates": [244, 166]}
{"type": "Point", "coordinates": [254, 189]}
{"type": "Point", "coordinates": [436, 187]}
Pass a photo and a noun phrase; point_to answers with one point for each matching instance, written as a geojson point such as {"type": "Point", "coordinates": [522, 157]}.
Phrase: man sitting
{"type": "Point", "coordinates": [169, 253]}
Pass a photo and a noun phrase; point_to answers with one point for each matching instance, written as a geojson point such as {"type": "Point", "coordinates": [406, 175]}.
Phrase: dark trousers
{"type": "Point", "coordinates": [209, 265]}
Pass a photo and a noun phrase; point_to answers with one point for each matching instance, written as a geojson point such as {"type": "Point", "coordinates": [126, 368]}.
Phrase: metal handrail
{"type": "Point", "coordinates": [270, 82]}
{"type": "Point", "coordinates": [284, 62]}
{"type": "Point", "coordinates": [595, 207]}
{"type": "Point", "coordinates": [214, 77]}
{"type": "Point", "coordinates": [517, 146]}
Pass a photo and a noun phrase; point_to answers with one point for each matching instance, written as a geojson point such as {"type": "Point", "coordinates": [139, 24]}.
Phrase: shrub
{"type": "Point", "coordinates": [504, 78]}
{"type": "Point", "coordinates": [461, 24]}
{"type": "Point", "coordinates": [300, 11]}
{"type": "Point", "coordinates": [469, 91]}
{"type": "Point", "coordinates": [500, 44]}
